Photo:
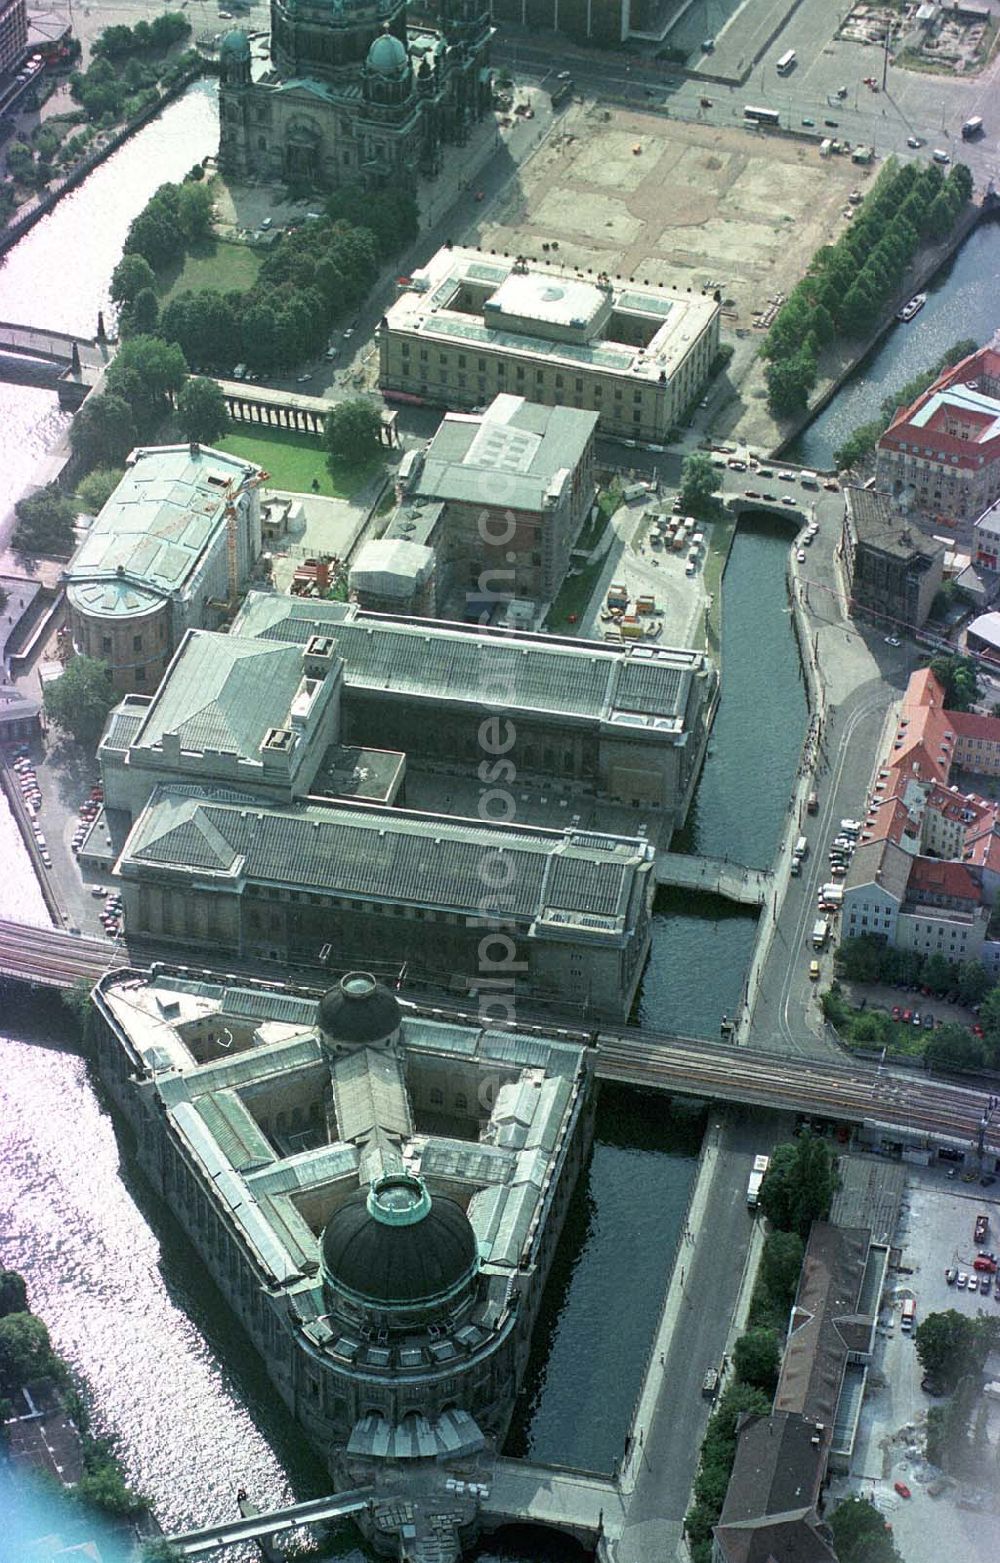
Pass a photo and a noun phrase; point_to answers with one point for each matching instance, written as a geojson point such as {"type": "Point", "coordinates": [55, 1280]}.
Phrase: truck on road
{"type": "Point", "coordinates": [760, 1166]}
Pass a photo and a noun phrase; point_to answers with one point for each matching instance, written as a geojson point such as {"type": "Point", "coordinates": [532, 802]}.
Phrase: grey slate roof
{"type": "Point", "coordinates": [880, 863]}
{"type": "Point", "coordinates": [454, 664]}
{"type": "Point", "coordinates": [123, 724]}
{"type": "Point", "coordinates": [878, 524]}
{"type": "Point", "coordinates": [513, 451]}
{"type": "Point", "coordinates": [383, 855]}
{"type": "Point", "coordinates": [223, 693]}
{"type": "Point", "coordinates": [151, 533]}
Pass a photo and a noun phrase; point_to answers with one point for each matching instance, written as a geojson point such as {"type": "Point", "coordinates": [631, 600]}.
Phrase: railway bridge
{"type": "Point", "coordinates": [850, 1090]}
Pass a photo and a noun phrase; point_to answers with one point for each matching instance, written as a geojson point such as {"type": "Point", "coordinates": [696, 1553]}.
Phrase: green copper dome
{"type": "Point", "coordinates": [388, 57]}
{"type": "Point", "coordinates": [235, 45]}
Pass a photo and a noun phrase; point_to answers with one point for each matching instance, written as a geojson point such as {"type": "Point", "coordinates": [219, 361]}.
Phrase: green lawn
{"type": "Point", "coordinates": [574, 595]}
{"type": "Point", "coordinates": [719, 540]}
{"type": "Point", "coordinates": [294, 460]}
{"type": "Point", "coordinates": [215, 264]}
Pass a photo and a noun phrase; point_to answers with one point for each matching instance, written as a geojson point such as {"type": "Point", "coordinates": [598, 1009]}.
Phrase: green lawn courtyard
{"type": "Point", "coordinates": [214, 264]}
{"type": "Point", "coordinates": [294, 460]}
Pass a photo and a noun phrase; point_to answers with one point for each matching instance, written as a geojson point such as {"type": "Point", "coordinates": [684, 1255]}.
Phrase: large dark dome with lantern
{"type": "Point", "coordinates": [394, 1246]}
{"type": "Point", "coordinates": [358, 1010]}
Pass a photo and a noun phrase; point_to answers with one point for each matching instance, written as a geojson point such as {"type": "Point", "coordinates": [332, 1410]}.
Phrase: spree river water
{"type": "Point", "coordinates": [59, 274]}
{"type": "Point", "coordinates": [961, 302]}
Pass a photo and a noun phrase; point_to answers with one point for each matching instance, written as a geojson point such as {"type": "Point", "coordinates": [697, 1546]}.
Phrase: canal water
{"type": "Point", "coordinates": [961, 302]}
{"type": "Point", "coordinates": [702, 945]}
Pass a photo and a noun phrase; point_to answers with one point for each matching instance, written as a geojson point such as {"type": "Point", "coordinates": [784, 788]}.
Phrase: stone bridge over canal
{"type": "Point", "coordinates": [717, 876]}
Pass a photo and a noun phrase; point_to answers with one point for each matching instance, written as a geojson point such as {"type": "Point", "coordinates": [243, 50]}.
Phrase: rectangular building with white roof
{"type": "Point", "coordinates": [470, 325]}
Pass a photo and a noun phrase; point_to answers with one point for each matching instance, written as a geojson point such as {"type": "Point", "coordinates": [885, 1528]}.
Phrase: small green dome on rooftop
{"type": "Point", "coordinates": [235, 45]}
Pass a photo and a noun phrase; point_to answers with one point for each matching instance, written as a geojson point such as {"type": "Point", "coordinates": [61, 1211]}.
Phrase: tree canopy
{"type": "Point", "coordinates": [25, 1350]}
{"type": "Point", "coordinates": [850, 284]}
{"type": "Point", "coordinates": [45, 523]}
{"type": "Point", "coordinates": [699, 482]}
{"type": "Point", "coordinates": [798, 1185]}
{"type": "Point", "coordinates": [146, 373]}
{"type": "Point", "coordinates": [757, 1358]}
{"type": "Point", "coordinates": [79, 701]}
{"type": "Point", "coordinates": [949, 1345]}
{"type": "Point", "coordinates": [860, 1533]}
{"type": "Point", "coordinates": [958, 677]}
{"type": "Point", "coordinates": [13, 1293]}
{"type": "Point", "coordinates": [352, 429]}
{"type": "Point", "coordinates": [201, 410]}
{"type": "Point", "coordinates": [94, 491]}
{"type": "Point", "coordinates": [103, 431]}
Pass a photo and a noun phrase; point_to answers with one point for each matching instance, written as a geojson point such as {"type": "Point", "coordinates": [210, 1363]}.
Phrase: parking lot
{"type": "Point", "coordinates": [935, 1233]}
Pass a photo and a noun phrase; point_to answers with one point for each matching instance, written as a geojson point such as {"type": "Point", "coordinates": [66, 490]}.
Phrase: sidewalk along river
{"type": "Point", "coordinates": [702, 945]}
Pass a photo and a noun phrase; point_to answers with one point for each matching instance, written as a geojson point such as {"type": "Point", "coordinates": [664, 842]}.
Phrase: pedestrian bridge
{"type": "Point", "coordinates": [717, 876]}
{"type": "Point", "coordinates": [577, 1502]}
{"type": "Point", "coordinates": [198, 1543]}
{"type": "Point", "coordinates": [36, 342]}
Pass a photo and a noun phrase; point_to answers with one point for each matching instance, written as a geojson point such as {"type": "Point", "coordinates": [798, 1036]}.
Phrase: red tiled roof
{"type": "Point", "coordinates": [937, 876]}
{"type": "Point", "coordinates": [971, 724]}
{"type": "Point", "coordinates": [984, 362]}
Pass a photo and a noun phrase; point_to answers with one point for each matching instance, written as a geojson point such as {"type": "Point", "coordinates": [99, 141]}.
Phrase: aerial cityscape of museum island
{"type": "Point", "coordinates": [500, 765]}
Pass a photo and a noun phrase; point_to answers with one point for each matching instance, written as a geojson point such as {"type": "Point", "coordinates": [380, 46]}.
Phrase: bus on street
{"type": "Point", "coordinates": [786, 62]}
{"type": "Point", "coordinates": [758, 116]}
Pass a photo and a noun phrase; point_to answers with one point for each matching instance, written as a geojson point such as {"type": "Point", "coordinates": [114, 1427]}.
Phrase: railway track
{"type": "Point", "coordinates": [853, 1092]}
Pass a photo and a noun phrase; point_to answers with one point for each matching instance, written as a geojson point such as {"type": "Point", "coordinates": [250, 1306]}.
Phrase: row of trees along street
{"type": "Point", "coordinates": [848, 284]}
{"type": "Point", "coordinates": [797, 1190]}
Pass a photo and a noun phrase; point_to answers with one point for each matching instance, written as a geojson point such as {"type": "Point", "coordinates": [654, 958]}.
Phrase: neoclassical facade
{"type": "Point", "coordinates": [349, 95]}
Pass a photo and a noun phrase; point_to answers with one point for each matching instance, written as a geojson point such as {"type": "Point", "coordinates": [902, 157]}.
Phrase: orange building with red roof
{"type": "Point", "coordinates": [942, 452]}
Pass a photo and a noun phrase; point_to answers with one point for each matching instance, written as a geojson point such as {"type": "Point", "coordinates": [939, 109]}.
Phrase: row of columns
{"type": "Point", "coordinates": [243, 409]}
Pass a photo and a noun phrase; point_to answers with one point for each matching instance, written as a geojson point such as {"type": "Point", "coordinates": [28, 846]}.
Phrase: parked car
{"type": "Point", "coordinates": [896, 1012]}
{"type": "Point", "coordinates": [981, 1228]}
{"type": "Point", "coordinates": [928, 1021]}
{"type": "Point", "coordinates": [951, 1276]}
{"type": "Point", "coordinates": [962, 1281]}
{"type": "Point", "coordinates": [902, 1489]}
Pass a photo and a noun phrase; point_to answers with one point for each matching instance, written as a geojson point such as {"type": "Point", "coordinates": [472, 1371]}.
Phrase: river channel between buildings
{"type": "Point", "coordinates": [170, 1375]}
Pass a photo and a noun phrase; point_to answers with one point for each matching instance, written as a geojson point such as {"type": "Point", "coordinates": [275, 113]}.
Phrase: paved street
{"type": "Point", "coordinates": [695, 1332]}
{"type": "Point", "coordinates": [933, 107]}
